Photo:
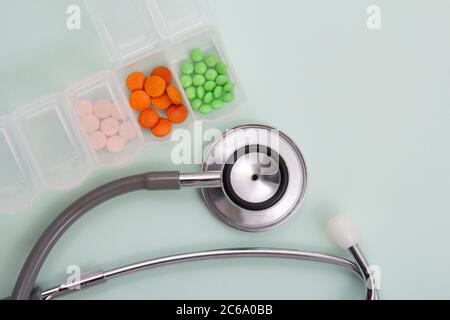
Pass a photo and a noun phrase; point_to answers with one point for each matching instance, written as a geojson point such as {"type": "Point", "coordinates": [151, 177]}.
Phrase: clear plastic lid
{"type": "Point", "coordinates": [130, 27]}
{"type": "Point", "coordinates": [18, 186]}
{"type": "Point", "coordinates": [52, 143]}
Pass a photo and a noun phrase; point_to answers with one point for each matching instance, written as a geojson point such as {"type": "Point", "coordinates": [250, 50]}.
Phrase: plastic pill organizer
{"type": "Point", "coordinates": [50, 143]}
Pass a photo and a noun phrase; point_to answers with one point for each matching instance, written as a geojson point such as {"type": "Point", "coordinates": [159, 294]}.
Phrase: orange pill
{"type": "Point", "coordinates": [162, 103]}
{"type": "Point", "coordinates": [149, 119]}
{"type": "Point", "coordinates": [164, 73]}
{"type": "Point", "coordinates": [174, 94]}
{"type": "Point", "coordinates": [163, 128]}
{"type": "Point", "coordinates": [177, 114]}
{"type": "Point", "coordinates": [140, 100]}
{"type": "Point", "coordinates": [155, 86]}
{"type": "Point", "coordinates": [136, 81]}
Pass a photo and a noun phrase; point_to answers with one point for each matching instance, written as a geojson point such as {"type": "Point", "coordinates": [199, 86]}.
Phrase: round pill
{"type": "Point", "coordinates": [205, 109]}
{"type": "Point", "coordinates": [116, 144]}
{"type": "Point", "coordinates": [139, 100]}
{"type": "Point", "coordinates": [174, 94]}
{"type": "Point", "coordinates": [196, 104]}
{"type": "Point", "coordinates": [98, 140]}
{"type": "Point", "coordinates": [222, 80]}
{"type": "Point", "coordinates": [211, 75]}
{"type": "Point", "coordinates": [217, 104]}
{"type": "Point", "coordinates": [177, 114]}
{"type": "Point", "coordinates": [200, 68]}
{"type": "Point", "coordinates": [84, 108]}
{"type": "Point", "coordinates": [162, 129]}
{"type": "Point", "coordinates": [102, 108]}
{"type": "Point", "coordinates": [148, 119]}
{"type": "Point", "coordinates": [210, 86]}
{"type": "Point", "coordinates": [191, 93]}
{"type": "Point", "coordinates": [186, 81]}
{"type": "Point", "coordinates": [164, 73]}
{"type": "Point", "coordinates": [91, 123]}
{"type": "Point", "coordinates": [211, 60]}
{"type": "Point", "coordinates": [155, 86]}
{"type": "Point", "coordinates": [199, 80]}
{"type": "Point", "coordinates": [127, 131]}
{"type": "Point", "coordinates": [229, 87]}
{"type": "Point", "coordinates": [162, 103]}
{"type": "Point", "coordinates": [201, 92]}
{"type": "Point", "coordinates": [228, 97]}
{"type": "Point", "coordinates": [187, 68]}
{"type": "Point", "coordinates": [136, 81]}
{"type": "Point", "coordinates": [110, 127]}
{"type": "Point", "coordinates": [221, 68]}
{"type": "Point", "coordinates": [209, 97]}
{"type": "Point", "coordinates": [218, 91]}
{"type": "Point", "coordinates": [197, 55]}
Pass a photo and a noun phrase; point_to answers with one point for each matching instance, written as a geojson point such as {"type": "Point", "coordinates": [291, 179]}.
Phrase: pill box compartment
{"type": "Point", "coordinates": [128, 28]}
{"type": "Point", "coordinates": [18, 184]}
{"type": "Point", "coordinates": [53, 143]}
{"type": "Point", "coordinates": [210, 42]}
{"type": "Point", "coordinates": [152, 32]}
{"type": "Point", "coordinates": [146, 65]}
{"type": "Point", "coordinates": [105, 119]}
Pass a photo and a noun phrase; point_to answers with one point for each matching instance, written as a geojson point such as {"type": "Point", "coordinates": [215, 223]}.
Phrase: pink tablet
{"type": "Point", "coordinates": [116, 144]}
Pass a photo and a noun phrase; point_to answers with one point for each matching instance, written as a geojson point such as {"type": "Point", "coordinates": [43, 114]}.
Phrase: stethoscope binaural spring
{"type": "Point", "coordinates": [253, 178]}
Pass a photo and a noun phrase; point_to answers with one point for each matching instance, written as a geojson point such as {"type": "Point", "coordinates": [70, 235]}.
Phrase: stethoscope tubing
{"type": "Point", "coordinates": [23, 289]}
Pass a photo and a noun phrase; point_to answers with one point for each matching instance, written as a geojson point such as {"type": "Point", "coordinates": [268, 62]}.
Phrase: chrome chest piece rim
{"type": "Point", "coordinates": [264, 178]}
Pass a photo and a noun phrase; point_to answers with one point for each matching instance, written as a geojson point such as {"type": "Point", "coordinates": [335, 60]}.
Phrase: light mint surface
{"type": "Point", "coordinates": [370, 110]}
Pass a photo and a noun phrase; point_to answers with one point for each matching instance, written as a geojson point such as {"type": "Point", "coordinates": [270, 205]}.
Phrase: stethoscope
{"type": "Point", "coordinates": [253, 178]}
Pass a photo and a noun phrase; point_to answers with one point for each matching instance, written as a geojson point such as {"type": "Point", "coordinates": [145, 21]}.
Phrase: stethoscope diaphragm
{"type": "Point", "coordinates": [264, 178]}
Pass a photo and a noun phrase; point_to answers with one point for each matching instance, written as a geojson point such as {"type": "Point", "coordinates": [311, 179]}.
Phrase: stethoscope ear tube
{"type": "Point", "coordinates": [101, 277]}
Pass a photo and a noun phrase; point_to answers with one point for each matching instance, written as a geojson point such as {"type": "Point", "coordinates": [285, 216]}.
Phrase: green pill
{"type": "Point", "coordinates": [209, 97]}
{"type": "Point", "coordinates": [199, 80]}
{"type": "Point", "coordinates": [211, 75]}
{"type": "Point", "coordinates": [229, 87]}
{"type": "Point", "coordinates": [218, 91]}
{"type": "Point", "coordinates": [197, 55]}
{"type": "Point", "coordinates": [221, 68]}
{"type": "Point", "coordinates": [222, 80]}
{"type": "Point", "coordinates": [186, 81]}
{"type": "Point", "coordinates": [191, 93]}
{"type": "Point", "coordinates": [196, 104]}
{"type": "Point", "coordinates": [217, 104]}
{"type": "Point", "coordinates": [200, 68]}
{"type": "Point", "coordinates": [187, 68]}
{"type": "Point", "coordinates": [211, 60]}
{"type": "Point", "coordinates": [228, 97]}
{"type": "Point", "coordinates": [210, 86]}
{"type": "Point", "coordinates": [205, 109]}
{"type": "Point", "coordinates": [201, 92]}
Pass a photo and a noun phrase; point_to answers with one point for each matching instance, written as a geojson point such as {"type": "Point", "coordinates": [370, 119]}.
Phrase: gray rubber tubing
{"type": "Point", "coordinates": [23, 289]}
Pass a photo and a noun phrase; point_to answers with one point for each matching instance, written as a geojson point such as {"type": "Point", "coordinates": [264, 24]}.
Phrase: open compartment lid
{"type": "Point", "coordinates": [130, 27]}
{"type": "Point", "coordinates": [18, 185]}
{"type": "Point", "coordinates": [53, 143]}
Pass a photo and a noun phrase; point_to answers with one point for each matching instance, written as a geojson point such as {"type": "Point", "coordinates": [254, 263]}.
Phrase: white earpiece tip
{"type": "Point", "coordinates": [342, 230]}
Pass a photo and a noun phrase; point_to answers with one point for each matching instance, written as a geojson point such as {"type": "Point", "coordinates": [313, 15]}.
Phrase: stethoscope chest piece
{"type": "Point", "coordinates": [264, 178]}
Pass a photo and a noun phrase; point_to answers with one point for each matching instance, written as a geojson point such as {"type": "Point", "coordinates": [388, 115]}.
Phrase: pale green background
{"type": "Point", "coordinates": [369, 109]}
